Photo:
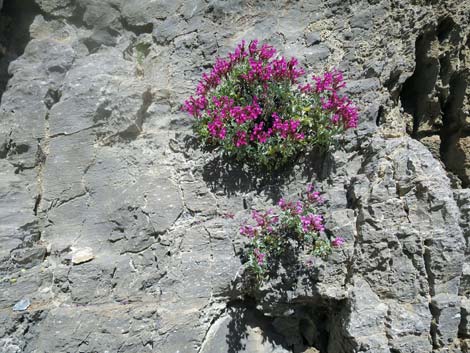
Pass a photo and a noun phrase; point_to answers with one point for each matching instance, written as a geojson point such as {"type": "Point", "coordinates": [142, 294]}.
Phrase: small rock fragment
{"type": "Point", "coordinates": [80, 256]}
{"type": "Point", "coordinates": [22, 305]}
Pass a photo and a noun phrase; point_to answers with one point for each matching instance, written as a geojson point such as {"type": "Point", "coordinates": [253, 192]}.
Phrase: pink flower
{"type": "Point", "coordinates": [299, 207]}
{"type": "Point", "coordinates": [253, 47]}
{"type": "Point", "coordinates": [267, 52]}
{"type": "Point", "coordinates": [337, 242]}
{"type": "Point", "coordinates": [312, 222]}
{"type": "Point", "coordinates": [259, 218]}
{"type": "Point", "coordinates": [317, 222]}
{"type": "Point", "coordinates": [216, 128]}
{"type": "Point", "coordinates": [259, 134]}
{"type": "Point", "coordinates": [248, 231]}
{"type": "Point", "coordinates": [343, 111]}
{"type": "Point", "coordinates": [238, 54]}
{"type": "Point", "coordinates": [335, 119]}
{"type": "Point", "coordinates": [273, 229]}
{"type": "Point", "coordinates": [240, 139]}
{"type": "Point", "coordinates": [259, 256]}
{"type": "Point", "coordinates": [315, 197]}
{"type": "Point", "coordinates": [194, 105]}
{"type": "Point", "coordinates": [236, 120]}
{"type": "Point", "coordinates": [307, 88]}
{"type": "Point", "coordinates": [201, 89]}
{"type": "Point", "coordinates": [287, 128]}
{"type": "Point", "coordinates": [330, 81]}
{"type": "Point", "coordinates": [305, 220]}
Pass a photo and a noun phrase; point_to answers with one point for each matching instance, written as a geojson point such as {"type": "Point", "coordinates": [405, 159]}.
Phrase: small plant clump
{"type": "Point", "coordinates": [253, 106]}
{"type": "Point", "coordinates": [297, 223]}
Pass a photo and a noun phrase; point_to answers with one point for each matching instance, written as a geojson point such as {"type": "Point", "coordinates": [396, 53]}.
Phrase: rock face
{"type": "Point", "coordinates": [436, 95]}
{"type": "Point", "coordinates": [123, 236]}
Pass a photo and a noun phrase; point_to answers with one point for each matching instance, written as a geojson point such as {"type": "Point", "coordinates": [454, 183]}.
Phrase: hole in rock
{"type": "Point", "coordinates": [436, 98]}
{"type": "Point", "coordinates": [305, 327]}
{"type": "Point", "coordinates": [15, 18]}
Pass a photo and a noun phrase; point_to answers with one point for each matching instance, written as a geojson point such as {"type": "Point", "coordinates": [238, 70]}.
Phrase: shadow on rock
{"type": "Point", "coordinates": [220, 172]}
{"type": "Point", "coordinates": [285, 274]}
{"type": "Point", "coordinates": [304, 327]}
{"type": "Point", "coordinates": [249, 330]}
{"type": "Point", "coordinates": [297, 312]}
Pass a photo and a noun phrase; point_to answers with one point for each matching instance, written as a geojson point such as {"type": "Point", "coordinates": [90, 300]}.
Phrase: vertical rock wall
{"type": "Point", "coordinates": [122, 235]}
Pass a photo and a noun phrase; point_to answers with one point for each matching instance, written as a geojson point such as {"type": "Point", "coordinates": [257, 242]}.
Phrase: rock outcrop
{"type": "Point", "coordinates": [120, 235]}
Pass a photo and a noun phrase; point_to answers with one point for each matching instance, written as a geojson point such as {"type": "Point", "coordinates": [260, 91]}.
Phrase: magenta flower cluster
{"type": "Point", "coordinates": [298, 221]}
{"type": "Point", "coordinates": [253, 106]}
{"type": "Point", "coordinates": [342, 109]}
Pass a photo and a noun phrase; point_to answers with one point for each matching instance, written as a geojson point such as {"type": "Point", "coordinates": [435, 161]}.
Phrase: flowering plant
{"type": "Point", "coordinates": [298, 222]}
{"type": "Point", "coordinates": [254, 107]}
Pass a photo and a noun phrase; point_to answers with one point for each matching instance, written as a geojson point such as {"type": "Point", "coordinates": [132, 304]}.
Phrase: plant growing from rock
{"type": "Point", "coordinates": [296, 224]}
{"type": "Point", "coordinates": [252, 106]}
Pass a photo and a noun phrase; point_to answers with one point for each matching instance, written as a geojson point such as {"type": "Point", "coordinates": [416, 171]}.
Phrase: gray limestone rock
{"type": "Point", "coordinates": [80, 256]}
{"type": "Point", "coordinates": [242, 330]}
{"type": "Point", "coordinates": [59, 8]}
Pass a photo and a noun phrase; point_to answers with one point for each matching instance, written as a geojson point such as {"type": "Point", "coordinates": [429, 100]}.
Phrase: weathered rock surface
{"type": "Point", "coordinates": [96, 161]}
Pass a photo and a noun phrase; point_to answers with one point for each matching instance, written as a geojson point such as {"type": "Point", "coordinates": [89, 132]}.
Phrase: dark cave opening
{"type": "Point", "coordinates": [306, 327]}
{"type": "Point", "coordinates": [455, 129]}
{"type": "Point", "coordinates": [15, 20]}
{"type": "Point", "coordinates": [418, 86]}
{"type": "Point", "coordinates": [434, 97]}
